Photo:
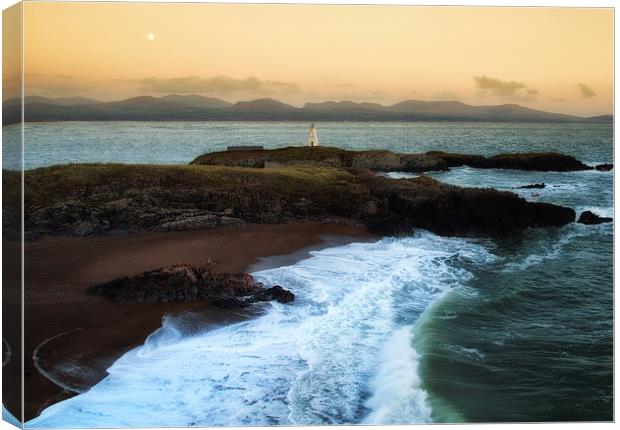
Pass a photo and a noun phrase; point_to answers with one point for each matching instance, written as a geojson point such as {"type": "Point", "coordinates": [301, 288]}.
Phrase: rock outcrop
{"type": "Point", "coordinates": [384, 161]}
{"type": "Point", "coordinates": [532, 161]}
{"type": "Point", "coordinates": [604, 167]}
{"type": "Point", "coordinates": [532, 186]}
{"type": "Point", "coordinates": [588, 217]}
{"type": "Point", "coordinates": [115, 199]}
{"type": "Point", "coordinates": [449, 210]}
{"type": "Point", "coordinates": [184, 283]}
{"type": "Point", "coordinates": [323, 156]}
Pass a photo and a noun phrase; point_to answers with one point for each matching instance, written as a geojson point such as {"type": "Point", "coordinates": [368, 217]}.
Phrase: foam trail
{"type": "Point", "coordinates": [329, 357]}
{"type": "Point", "coordinates": [397, 397]}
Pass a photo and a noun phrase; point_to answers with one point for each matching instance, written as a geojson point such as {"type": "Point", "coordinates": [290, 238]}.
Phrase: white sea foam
{"type": "Point", "coordinates": [341, 353]}
{"type": "Point", "coordinates": [397, 396]}
{"type": "Point", "coordinates": [10, 418]}
{"type": "Point", "coordinates": [399, 175]}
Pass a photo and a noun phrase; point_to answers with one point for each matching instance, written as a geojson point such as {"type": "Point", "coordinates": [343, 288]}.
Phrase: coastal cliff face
{"type": "Point", "coordinates": [114, 199]}
{"type": "Point", "coordinates": [110, 199]}
{"type": "Point", "coordinates": [449, 210]}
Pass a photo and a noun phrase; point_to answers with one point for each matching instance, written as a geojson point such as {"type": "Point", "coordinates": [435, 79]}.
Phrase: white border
{"type": "Point", "coordinates": [561, 3]}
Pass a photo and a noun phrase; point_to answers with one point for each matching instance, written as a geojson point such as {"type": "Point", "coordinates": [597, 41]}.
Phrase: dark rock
{"type": "Point", "coordinates": [449, 210]}
{"type": "Point", "coordinates": [230, 303]}
{"type": "Point", "coordinates": [383, 160]}
{"type": "Point", "coordinates": [533, 161]}
{"type": "Point", "coordinates": [604, 167]}
{"type": "Point", "coordinates": [459, 160]}
{"type": "Point", "coordinates": [199, 222]}
{"type": "Point", "coordinates": [378, 160]}
{"type": "Point", "coordinates": [275, 293]}
{"type": "Point", "coordinates": [532, 186]}
{"type": "Point", "coordinates": [394, 225]}
{"type": "Point", "coordinates": [588, 217]}
{"type": "Point", "coordinates": [370, 208]}
{"type": "Point", "coordinates": [184, 283]}
{"type": "Point", "coordinates": [543, 161]}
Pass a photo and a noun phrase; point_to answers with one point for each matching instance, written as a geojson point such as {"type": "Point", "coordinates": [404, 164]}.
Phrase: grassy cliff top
{"type": "Point", "coordinates": [85, 199]}
{"type": "Point", "coordinates": [46, 184]}
{"type": "Point", "coordinates": [289, 153]}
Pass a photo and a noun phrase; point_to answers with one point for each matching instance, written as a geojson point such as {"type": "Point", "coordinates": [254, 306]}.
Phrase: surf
{"type": "Point", "coordinates": [329, 358]}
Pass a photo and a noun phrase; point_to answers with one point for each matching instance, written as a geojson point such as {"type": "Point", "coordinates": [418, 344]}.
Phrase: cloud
{"type": "Point", "coordinates": [586, 91]}
{"type": "Point", "coordinates": [218, 84]}
{"type": "Point", "coordinates": [512, 91]}
{"type": "Point", "coordinates": [497, 87]}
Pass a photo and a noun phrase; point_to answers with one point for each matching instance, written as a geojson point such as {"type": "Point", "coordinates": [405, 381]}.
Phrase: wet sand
{"type": "Point", "coordinates": [75, 337]}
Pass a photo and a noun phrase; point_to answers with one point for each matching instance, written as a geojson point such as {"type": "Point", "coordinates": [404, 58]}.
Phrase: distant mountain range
{"type": "Point", "coordinates": [174, 107]}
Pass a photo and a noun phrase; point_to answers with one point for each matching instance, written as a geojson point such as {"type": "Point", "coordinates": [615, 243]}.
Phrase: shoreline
{"type": "Point", "coordinates": [75, 337]}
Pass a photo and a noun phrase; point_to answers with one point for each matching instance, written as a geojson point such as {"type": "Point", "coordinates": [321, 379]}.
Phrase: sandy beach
{"type": "Point", "coordinates": [73, 337]}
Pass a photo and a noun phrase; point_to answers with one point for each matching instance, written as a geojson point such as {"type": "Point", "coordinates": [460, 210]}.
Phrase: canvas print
{"type": "Point", "coordinates": [278, 214]}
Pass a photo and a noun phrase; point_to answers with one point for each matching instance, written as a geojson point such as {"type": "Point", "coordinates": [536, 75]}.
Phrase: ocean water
{"type": "Point", "coordinates": [411, 329]}
{"type": "Point", "coordinates": [180, 142]}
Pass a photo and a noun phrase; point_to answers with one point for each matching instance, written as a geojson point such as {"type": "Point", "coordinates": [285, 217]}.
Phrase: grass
{"type": "Point", "coordinates": [44, 185]}
{"type": "Point", "coordinates": [279, 154]}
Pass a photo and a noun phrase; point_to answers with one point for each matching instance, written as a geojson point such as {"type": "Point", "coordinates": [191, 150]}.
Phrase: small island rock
{"type": "Point", "coordinates": [588, 217]}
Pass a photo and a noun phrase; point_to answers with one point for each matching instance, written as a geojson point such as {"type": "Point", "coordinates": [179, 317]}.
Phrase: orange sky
{"type": "Point", "coordinates": [557, 59]}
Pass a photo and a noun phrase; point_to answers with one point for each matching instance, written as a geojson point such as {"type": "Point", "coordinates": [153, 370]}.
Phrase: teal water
{"type": "Point", "coordinates": [530, 338]}
{"type": "Point", "coordinates": [180, 142]}
{"type": "Point", "coordinates": [404, 330]}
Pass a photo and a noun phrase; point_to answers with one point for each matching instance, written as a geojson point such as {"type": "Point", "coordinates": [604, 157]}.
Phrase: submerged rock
{"type": "Point", "coordinates": [604, 167]}
{"type": "Point", "coordinates": [532, 186]}
{"type": "Point", "coordinates": [588, 217]}
{"type": "Point", "coordinates": [276, 293]}
{"type": "Point", "coordinates": [184, 283]}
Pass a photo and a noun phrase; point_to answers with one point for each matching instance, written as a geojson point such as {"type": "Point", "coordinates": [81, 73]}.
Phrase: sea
{"type": "Point", "coordinates": [399, 330]}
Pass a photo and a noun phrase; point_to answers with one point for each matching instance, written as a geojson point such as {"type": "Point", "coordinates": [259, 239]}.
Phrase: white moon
{"type": "Point", "coordinates": [150, 36]}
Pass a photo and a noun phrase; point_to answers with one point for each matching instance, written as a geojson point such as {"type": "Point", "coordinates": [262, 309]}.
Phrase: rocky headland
{"type": "Point", "coordinates": [533, 161]}
{"type": "Point", "coordinates": [240, 188]}
{"type": "Point", "coordinates": [388, 161]}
